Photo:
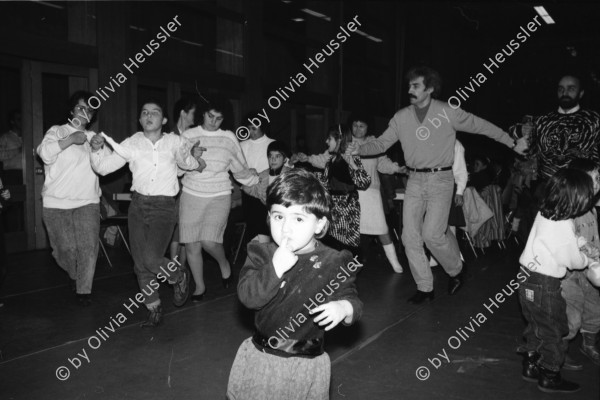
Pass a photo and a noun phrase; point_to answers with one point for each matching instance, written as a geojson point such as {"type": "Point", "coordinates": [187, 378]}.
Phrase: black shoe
{"type": "Point", "coordinates": [227, 281]}
{"type": "Point", "coordinates": [198, 297]}
{"type": "Point", "coordinates": [181, 289]}
{"type": "Point", "coordinates": [552, 382]}
{"type": "Point", "coordinates": [455, 283]}
{"type": "Point", "coordinates": [531, 371]}
{"type": "Point", "coordinates": [84, 299]}
{"type": "Point", "coordinates": [420, 297]}
{"type": "Point", "coordinates": [154, 318]}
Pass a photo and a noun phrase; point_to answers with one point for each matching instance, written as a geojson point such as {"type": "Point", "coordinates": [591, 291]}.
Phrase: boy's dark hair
{"type": "Point", "coordinates": [160, 104]}
{"type": "Point", "coordinates": [278, 146]}
{"type": "Point", "coordinates": [185, 103]}
{"type": "Point", "coordinates": [301, 188]}
{"type": "Point", "coordinates": [431, 78]}
{"type": "Point", "coordinates": [568, 194]}
{"type": "Point", "coordinates": [74, 100]}
{"type": "Point", "coordinates": [583, 164]}
{"type": "Point", "coordinates": [264, 126]}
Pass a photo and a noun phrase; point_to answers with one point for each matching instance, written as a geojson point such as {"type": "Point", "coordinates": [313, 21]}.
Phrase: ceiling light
{"type": "Point", "coordinates": [298, 19]}
{"type": "Point", "coordinates": [373, 38]}
{"type": "Point", "coordinates": [316, 14]}
{"type": "Point", "coordinates": [544, 14]}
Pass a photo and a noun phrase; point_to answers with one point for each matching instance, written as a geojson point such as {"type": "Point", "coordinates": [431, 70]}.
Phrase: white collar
{"type": "Point", "coordinates": [570, 111]}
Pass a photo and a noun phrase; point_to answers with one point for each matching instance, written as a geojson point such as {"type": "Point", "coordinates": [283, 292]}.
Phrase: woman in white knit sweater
{"type": "Point", "coordinates": [206, 195]}
{"type": "Point", "coordinates": [71, 196]}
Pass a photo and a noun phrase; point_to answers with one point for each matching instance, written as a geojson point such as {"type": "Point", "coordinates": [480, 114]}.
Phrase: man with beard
{"type": "Point", "coordinates": [563, 135]}
{"type": "Point", "coordinates": [427, 131]}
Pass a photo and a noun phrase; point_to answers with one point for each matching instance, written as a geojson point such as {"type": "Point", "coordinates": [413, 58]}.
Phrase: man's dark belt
{"type": "Point", "coordinates": [439, 169]}
{"type": "Point", "coordinates": [277, 346]}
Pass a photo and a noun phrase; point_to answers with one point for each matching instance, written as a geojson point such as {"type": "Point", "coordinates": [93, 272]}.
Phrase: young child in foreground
{"type": "Point", "coordinates": [299, 288]}
{"type": "Point", "coordinates": [552, 248]}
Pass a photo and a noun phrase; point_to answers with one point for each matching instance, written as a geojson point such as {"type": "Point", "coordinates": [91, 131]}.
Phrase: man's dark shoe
{"type": "Point", "coordinates": [420, 297]}
{"type": "Point", "coordinates": [181, 289]}
{"type": "Point", "coordinates": [154, 318]}
{"type": "Point", "coordinates": [531, 371]}
{"type": "Point", "coordinates": [552, 382]}
{"type": "Point", "coordinates": [455, 283]}
{"type": "Point", "coordinates": [84, 299]}
{"type": "Point", "coordinates": [589, 347]}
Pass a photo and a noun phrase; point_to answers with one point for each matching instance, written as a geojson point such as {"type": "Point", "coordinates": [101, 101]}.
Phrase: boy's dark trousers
{"type": "Point", "coordinates": [545, 310]}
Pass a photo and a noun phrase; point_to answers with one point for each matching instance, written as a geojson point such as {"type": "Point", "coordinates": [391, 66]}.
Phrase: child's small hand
{"type": "Point", "coordinates": [333, 313]}
{"type": "Point", "coordinates": [284, 258]}
{"type": "Point", "coordinates": [581, 241]}
{"type": "Point", "coordinates": [593, 273]}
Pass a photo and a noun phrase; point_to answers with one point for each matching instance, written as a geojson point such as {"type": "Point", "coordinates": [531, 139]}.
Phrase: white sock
{"type": "Point", "coordinates": [390, 253]}
{"type": "Point", "coordinates": [433, 262]}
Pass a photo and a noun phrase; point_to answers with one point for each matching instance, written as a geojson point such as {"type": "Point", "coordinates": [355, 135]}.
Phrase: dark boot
{"type": "Point", "coordinates": [154, 317]}
{"type": "Point", "coordinates": [531, 371]}
{"type": "Point", "coordinates": [552, 382]}
{"type": "Point", "coordinates": [589, 347]}
{"type": "Point", "coordinates": [570, 363]}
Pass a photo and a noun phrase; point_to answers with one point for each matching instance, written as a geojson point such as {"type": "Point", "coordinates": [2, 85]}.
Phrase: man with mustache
{"type": "Point", "coordinates": [427, 131]}
{"type": "Point", "coordinates": [570, 132]}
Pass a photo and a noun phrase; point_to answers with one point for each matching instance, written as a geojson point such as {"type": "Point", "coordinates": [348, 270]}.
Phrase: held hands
{"type": "Point", "coordinates": [197, 151]}
{"type": "Point", "coordinates": [5, 194]}
{"type": "Point", "coordinates": [521, 146]}
{"type": "Point", "coordinates": [284, 258]}
{"type": "Point", "coordinates": [97, 141]}
{"type": "Point", "coordinates": [333, 313]}
{"type": "Point", "coordinates": [459, 200]}
{"type": "Point", "coordinates": [353, 148]}
{"type": "Point", "coordinates": [77, 138]}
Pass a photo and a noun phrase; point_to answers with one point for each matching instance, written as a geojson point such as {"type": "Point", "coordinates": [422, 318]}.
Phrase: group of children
{"type": "Point", "coordinates": [557, 299]}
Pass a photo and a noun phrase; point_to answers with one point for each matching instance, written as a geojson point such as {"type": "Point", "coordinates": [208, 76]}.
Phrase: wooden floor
{"type": "Point", "coordinates": [456, 347]}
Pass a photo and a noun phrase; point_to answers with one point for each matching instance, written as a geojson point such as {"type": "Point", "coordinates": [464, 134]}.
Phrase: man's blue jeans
{"type": "Point", "coordinates": [425, 217]}
{"type": "Point", "coordinates": [75, 238]}
{"type": "Point", "coordinates": [151, 224]}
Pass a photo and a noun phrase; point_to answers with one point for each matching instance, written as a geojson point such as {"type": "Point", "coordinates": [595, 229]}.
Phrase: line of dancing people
{"type": "Point", "coordinates": [300, 209]}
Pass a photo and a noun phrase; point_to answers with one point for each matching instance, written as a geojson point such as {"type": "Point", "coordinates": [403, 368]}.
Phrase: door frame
{"type": "Point", "coordinates": [80, 78]}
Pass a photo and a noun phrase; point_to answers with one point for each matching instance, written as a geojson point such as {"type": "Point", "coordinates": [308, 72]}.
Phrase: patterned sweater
{"type": "Point", "coordinates": [557, 139]}
{"type": "Point", "coordinates": [223, 154]}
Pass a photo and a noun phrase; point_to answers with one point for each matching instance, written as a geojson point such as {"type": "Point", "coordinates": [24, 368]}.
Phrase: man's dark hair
{"type": "Point", "coordinates": [568, 194]}
{"type": "Point", "coordinates": [431, 79]}
{"type": "Point", "coordinates": [301, 188]}
{"type": "Point", "coordinates": [278, 146]}
{"type": "Point", "coordinates": [186, 104]}
{"type": "Point", "coordinates": [74, 100]}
